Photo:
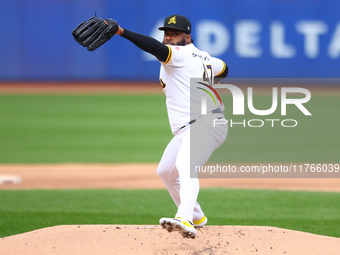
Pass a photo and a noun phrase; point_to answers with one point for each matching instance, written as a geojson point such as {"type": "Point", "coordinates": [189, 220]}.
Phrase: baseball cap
{"type": "Point", "coordinates": [177, 22]}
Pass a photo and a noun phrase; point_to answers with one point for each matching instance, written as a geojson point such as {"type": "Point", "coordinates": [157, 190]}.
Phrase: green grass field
{"type": "Point", "coordinates": [134, 128]}
{"type": "Point", "coordinates": [26, 210]}
{"type": "Point", "coordinates": [82, 128]}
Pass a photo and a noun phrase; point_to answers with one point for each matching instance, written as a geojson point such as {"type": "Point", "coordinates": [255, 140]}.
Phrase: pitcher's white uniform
{"type": "Point", "coordinates": [183, 63]}
{"type": "Point", "coordinates": [195, 136]}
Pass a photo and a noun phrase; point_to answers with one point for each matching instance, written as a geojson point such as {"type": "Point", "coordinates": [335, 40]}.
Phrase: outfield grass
{"type": "Point", "coordinates": [82, 128]}
{"type": "Point", "coordinates": [26, 210]}
{"type": "Point", "coordinates": [135, 128]}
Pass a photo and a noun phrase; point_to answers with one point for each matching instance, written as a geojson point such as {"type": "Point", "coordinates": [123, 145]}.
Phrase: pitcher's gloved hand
{"type": "Point", "coordinates": [95, 32]}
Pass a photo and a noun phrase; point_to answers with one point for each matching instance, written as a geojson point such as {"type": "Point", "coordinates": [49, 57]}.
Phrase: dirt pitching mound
{"type": "Point", "coordinates": [122, 239]}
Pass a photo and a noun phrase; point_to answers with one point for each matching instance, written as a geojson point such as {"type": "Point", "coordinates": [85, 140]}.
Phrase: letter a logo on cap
{"type": "Point", "coordinates": [172, 20]}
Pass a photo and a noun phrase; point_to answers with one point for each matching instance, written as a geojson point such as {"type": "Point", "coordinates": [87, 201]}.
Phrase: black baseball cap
{"type": "Point", "coordinates": [178, 22]}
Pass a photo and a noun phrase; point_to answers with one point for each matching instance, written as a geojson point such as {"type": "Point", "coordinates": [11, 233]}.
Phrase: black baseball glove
{"type": "Point", "coordinates": [95, 32]}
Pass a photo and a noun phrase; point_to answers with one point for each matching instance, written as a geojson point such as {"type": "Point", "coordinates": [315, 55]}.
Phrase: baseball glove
{"type": "Point", "coordinates": [95, 32]}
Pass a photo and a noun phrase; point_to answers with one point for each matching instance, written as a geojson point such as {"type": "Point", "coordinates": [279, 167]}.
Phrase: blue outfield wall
{"type": "Point", "coordinates": [256, 38]}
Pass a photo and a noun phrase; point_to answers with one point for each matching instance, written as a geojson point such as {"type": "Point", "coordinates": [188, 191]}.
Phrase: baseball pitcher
{"type": "Point", "coordinates": [180, 61]}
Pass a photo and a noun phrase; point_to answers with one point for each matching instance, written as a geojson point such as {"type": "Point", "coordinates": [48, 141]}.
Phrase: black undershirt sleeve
{"type": "Point", "coordinates": [148, 44]}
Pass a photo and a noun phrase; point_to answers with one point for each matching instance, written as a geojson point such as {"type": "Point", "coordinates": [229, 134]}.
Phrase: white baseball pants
{"type": "Point", "coordinates": [175, 164]}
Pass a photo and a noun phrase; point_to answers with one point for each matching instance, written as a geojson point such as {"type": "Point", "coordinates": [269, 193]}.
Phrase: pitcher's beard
{"type": "Point", "coordinates": [181, 43]}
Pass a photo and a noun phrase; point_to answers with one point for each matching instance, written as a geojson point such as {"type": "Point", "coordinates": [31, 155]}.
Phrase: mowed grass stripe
{"type": "Point", "coordinates": [26, 210]}
{"type": "Point", "coordinates": [135, 128]}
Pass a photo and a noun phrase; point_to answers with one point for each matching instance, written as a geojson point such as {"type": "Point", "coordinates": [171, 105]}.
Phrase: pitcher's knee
{"type": "Point", "coordinates": [162, 172]}
{"type": "Point", "coordinates": [167, 173]}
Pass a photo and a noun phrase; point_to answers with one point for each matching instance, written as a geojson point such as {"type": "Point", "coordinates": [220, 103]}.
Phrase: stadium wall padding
{"type": "Point", "coordinates": [264, 38]}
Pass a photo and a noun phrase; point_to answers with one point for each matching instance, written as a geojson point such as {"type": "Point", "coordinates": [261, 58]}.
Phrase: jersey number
{"type": "Point", "coordinates": [208, 74]}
